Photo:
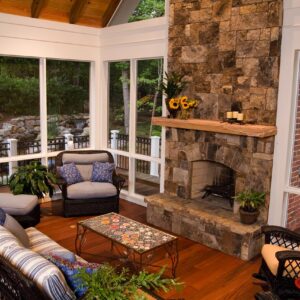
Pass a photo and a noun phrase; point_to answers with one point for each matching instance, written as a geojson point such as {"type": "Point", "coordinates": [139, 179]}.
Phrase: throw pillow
{"type": "Point", "coordinates": [65, 255]}
{"type": "Point", "coordinates": [14, 227]}
{"type": "Point", "coordinates": [70, 269]}
{"type": "Point", "coordinates": [70, 173]}
{"type": "Point", "coordinates": [102, 172]}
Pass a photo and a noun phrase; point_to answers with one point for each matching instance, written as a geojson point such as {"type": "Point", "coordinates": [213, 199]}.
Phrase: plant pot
{"type": "Point", "coordinates": [248, 217]}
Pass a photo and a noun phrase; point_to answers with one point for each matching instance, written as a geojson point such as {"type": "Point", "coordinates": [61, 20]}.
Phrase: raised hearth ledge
{"type": "Point", "coordinates": [213, 227]}
{"type": "Point", "coordinates": [260, 131]}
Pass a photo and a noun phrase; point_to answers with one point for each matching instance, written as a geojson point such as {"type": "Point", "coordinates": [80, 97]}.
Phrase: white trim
{"type": "Point", "coordinates": [43, 105]}
{"type": "Point", "coordinates": [133, 198]}
{"type": "Point", "coordinates": [285, 121]}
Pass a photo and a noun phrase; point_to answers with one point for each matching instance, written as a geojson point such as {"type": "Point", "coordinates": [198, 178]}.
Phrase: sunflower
{"type": "Point", "coordinates": [185, 105]}
{"type": "Point", "coordinates": [183, 99]}
{"type": "Point", "coordinates": [193, 103]}
{"type": "Point", "coordinates": [174, 105]}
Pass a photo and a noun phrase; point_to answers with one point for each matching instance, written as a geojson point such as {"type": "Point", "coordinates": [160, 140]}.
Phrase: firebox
{"type": "Point", "coordinates": [212, 179]}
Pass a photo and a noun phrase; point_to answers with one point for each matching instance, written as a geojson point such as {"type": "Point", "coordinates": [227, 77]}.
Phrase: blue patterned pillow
{"type": "Point", "coordinates": [102, 172]}
{"type": "Point", "coordinates": [70, 173]}
{"type": "Point", "coordinates": [70, 269]}
{"type": "Point", "coordinates": [2, 216]}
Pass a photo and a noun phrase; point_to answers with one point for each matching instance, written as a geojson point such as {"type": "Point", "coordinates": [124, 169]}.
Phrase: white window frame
{"type": "Point", "coordinates": [286, 110]}
{"type": "Point", "coordinates": [131, 153]}
{"type": "Point", "coordinates": [141, 40]}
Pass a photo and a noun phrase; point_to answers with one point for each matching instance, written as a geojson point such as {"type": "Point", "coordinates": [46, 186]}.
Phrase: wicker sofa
{"type": "Point", "coordinates": [25, 273]}
{"type": "Point", "coordinates": [86, 197]}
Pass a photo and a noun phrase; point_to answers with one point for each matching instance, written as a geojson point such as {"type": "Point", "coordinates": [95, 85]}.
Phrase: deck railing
{"type": "Point", "coordinates": [13, 147]}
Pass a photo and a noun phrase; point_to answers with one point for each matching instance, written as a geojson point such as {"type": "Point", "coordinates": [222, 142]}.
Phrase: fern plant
{"type": "Point", "coordinates": [106, 283]}
{"type": "Point", "coordinates": [34, 179]}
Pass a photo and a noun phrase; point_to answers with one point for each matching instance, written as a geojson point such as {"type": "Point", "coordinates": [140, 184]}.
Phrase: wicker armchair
{"type": "Point", "coordinates": [280, 261]}
{"type": "Point", "coordinates": [74, 206]}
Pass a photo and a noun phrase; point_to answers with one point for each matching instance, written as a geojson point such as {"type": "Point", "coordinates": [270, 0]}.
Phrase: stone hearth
{"type": "Point", "coordinates": [207, 224]}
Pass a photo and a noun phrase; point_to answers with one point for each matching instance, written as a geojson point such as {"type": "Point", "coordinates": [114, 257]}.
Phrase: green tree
{"type": "Point", "coordinates": [148, 9]}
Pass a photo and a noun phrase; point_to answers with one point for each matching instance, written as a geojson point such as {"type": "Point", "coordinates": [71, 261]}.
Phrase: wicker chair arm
{"type": "Point", "coordinates": [62, 184]}
{"type": "Point", "coordinates": [281, 233]}
{"type": "Point", "coordinates": [289, 263]}
{"type": "Point", "coordinates": [118, 182]}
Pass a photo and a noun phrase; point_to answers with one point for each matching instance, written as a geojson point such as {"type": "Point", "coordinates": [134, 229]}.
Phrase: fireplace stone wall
{"type": "Point", "coordinates": [229, 51]}
{"type": "Point", "coordinates": [251, 158]}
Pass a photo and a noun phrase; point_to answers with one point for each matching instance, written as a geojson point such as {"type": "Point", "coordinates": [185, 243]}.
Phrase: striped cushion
{"type": "Point", "coordinates": [7, 239]}
{"type": "Point", "coordinates": [43, 273]}
{"type": "Point", "coordinates": [44, 245]}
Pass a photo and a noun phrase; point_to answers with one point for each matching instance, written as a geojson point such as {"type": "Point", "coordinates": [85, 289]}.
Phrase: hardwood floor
{"type": "Point", "coordinates": [207, 273]}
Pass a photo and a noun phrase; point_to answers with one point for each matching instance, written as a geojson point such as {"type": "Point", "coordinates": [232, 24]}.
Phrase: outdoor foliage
{"type": "Point", "coordinates": [106, 283]}
{"type": "Point", "coordinates": [34, 179]}
{"type": "Point", "coordinates": [148, 9]}
{"type": "Point", "coordinates": [67, 86]}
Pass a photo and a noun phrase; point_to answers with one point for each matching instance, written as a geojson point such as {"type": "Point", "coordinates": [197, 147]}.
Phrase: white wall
{"type": "Point", "coordinates": [285, 113]}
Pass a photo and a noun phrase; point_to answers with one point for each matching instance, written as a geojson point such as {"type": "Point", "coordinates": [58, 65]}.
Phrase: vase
{"type": "Point", "coordinates": [184, 114]}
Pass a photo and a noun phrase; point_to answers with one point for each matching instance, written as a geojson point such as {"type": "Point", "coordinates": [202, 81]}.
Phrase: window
{"type": "Point", "coordinates": [67, 104]}
{"type": "Point", "coordinates": [20, 106]}
{"type": "Point", "coordinates": [21, 125]}
{"type": "Point", "coordinates": [133, 100]}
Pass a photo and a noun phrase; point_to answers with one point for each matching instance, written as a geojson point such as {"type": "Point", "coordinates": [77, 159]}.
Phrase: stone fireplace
{"type": "Point", "coordinates": [199, 164]}
{"type": "Point", "coordinates": [199, 159]}
{"type": "Point", "coordinates": [229, 52]}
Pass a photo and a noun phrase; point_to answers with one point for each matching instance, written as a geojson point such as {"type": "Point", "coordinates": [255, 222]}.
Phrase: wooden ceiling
{"type": "Point", "coordinates": [93, 13]}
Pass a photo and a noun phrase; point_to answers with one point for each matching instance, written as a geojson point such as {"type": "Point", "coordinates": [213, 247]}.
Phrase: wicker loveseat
{"type": "Point", "coordinates": [87, 197]}
{"type": "Point", "coordinates": [26, 274]}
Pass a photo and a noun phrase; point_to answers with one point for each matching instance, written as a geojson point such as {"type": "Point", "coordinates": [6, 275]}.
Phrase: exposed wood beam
{"type": "Point", "coordinates": [113, 4]}
{"type": "Point", "coordinates": [76, 10]}
{"type": "Point", "coordinates": [36, 7]}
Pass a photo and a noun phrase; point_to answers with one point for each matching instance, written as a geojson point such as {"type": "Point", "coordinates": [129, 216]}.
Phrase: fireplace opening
{"type": "Point", "coordinates": [213, 182]}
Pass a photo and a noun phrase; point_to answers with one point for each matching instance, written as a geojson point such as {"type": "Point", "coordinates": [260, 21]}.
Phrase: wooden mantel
{"type": "Point", "coordinates": [260, 131]}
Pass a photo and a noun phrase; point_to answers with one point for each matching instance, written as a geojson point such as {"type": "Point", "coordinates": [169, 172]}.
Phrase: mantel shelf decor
{"type": "Point", "coordinates": [260, 131]}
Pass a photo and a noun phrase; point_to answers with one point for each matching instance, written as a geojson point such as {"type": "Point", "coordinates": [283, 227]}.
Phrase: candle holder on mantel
{"type": "Point", "coordinates": [234, 117]}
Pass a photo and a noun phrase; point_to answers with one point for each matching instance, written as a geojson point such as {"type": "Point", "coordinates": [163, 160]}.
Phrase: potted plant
{"type": "Point", "coordinates": [250, 202]}
{"type": "Point", "coordinates": [106, 283]}
{"type": "Point", "coordinates": [172, 86]}
{"type": "Point", "coordinates": [34, 179]}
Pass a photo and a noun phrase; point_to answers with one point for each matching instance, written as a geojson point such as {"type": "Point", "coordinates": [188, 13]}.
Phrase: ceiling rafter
{"type": "Point", "coordinates": [76, 10]}
{"type": "Point", "coordinates": [112, 6]}
{"type": "Point", "coordinates": [36, 7]}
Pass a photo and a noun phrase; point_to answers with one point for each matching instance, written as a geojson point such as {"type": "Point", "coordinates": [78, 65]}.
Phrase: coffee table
{"type": "Point", "coordinates": [138, 240]}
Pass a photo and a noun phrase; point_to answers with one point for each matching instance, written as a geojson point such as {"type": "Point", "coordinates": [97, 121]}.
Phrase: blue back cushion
{"type": "Point", "coordinates": [70, 269]}
{"type": "Point", "coordinates": [70, 173]}
{"type": "Point", "coordinates": [102, 172]}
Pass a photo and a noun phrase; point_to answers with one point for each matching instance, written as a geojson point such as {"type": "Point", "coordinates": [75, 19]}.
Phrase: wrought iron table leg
{"type": "Point", "coordinates": [172, 250]}
{"type": "Point", "coordinates": [80, 238]}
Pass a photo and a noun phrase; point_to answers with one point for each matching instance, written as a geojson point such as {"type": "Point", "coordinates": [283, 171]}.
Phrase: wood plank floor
{"type": "Point", "coordinates": [207, 273]}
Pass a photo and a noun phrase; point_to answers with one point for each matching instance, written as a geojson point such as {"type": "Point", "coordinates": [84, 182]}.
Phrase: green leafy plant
{"type": "Point", "coordinates": [172, 84]}
{"type": "Point", "coordinates": [250, 201]}
{"type": "Point", "coordinates": [107, 283]}
{"type": "Point", "coordinates": [34, 179]}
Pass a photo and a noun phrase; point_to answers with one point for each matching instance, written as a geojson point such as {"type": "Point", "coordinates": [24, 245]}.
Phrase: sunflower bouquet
{"type": "Point", "coordinates": [182, 106]}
